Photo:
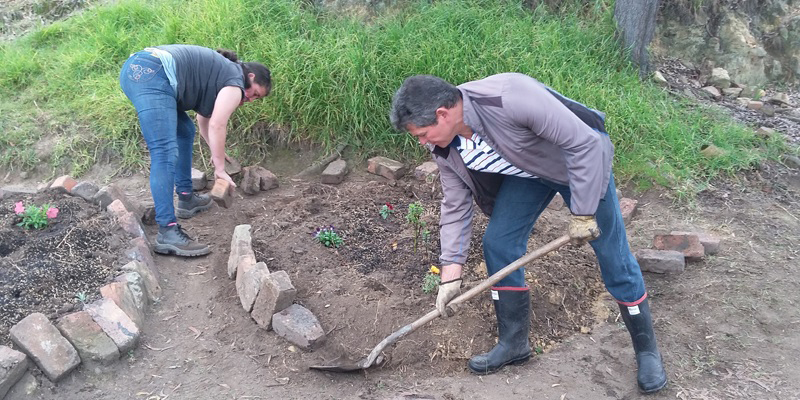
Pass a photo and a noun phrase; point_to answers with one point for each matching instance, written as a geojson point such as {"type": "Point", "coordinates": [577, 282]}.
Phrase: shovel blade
{"type": "Point", "coordinates": [337, 368]}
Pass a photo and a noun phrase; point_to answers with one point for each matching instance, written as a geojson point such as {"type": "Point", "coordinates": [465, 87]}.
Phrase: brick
{"type": "Point", "coordinates": [249, 281]}
{"type": "Point", "coordinates": [710, 243]}
{"type": "Point", "coordinates": [198, 179]}
{"type": "Point", "coordinates": [240, 248]}
{"type": "Point", "coordinates": [222, 193]}
{"type": "Point", "coordinates": [63, 184]}
{"type": "Point", "coordinates": [267, 179]}
{"type": "Point", "coordinates": [251, 182]}
{"type": "Point", "coordinates": [25, 387]}
{"type": "Point", "coordinates": [426, 171]}
{"type": "Point", "coordinates": [627, 208]}
{"type": "Point", "coordinates": [94, 346]}
{"type": "Point", "coordinates": [85, 190]}
{"type": "Point", "coordinates": [299, 326]}
{"type": "Point", "coordinates": [115, 323]}
{"type": "Point", "coordinates": [335, 172]}
{"type": "Point", "coordinates": [755, 105]}
{"type": "Point", "coordinates": [276, 295]}
{"type": "Point", "coordinates": [232, 167]}
{"type": "Point", "coordinates": [123, 297]}
{"type": "Point", "coordinates": [126, 219]}
{"type": "Point", "coordinates": [152, 289]}
{"type": "Point", "coordinates": [43, 343]}
{"type": "Point", "coordinates": [557, 203]}
{"type": "Point", "coordinates": [108, 194]}
{"type": "Point", "coordinates": [689, 245]}
{"type": "Point", "coordinates": [387, 168]}
{"type": "Point", "coordinates": [661, 261]}
{"type": "Point", "coordinates": [13, 365]}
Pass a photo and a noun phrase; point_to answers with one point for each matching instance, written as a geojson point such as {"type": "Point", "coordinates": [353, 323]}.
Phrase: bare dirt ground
{"type": "Point", "coordinates": [727, 326]}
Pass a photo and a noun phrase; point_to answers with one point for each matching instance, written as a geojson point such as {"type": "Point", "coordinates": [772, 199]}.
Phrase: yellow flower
{"type": "Point", "coordinates": [434, 270]}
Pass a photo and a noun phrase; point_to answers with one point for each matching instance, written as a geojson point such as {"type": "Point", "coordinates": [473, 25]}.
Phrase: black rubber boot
{"type": "Point", "coordinates": [174, 240]}
{"type": "Point", "coordinates": [191, 204]}
{"type": "Point", "coordinates": [651, 375]}
{"type": "Point", "coordinates": [513, 310]}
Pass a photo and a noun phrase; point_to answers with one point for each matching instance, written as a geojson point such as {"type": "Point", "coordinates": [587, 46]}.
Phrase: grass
{"type": "Point", "coordinates": [334, 77]}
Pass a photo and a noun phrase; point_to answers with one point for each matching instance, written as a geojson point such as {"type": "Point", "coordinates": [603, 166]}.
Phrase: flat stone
{"type": "Point", "coordinates": [335, 172]}
{"type": "Point", "coordinates": [712, 92]}
{"type": "Point", "coordinates": [710, 243]}
{"type": "Point", "coordinates": [25, 387]}
{"type": "Point", "coordinates": [198, 179]}
{"type": "Point", "coordinates": [13, 365]}
{"type": "Point", "coordinates": [43, 343]}
{"type": "Point", "coordinates": [276, 295]}
{"type": "Point", "coordinates": [115, 323]}
{"type": "Point", "coordinates": [152, 289]}
{"type": "Point", "coordinates": [108, 194]}
{"type": "Point", "coordinates": [249, 281]}
{"type": "Point", "coordinates": [627, 208]}
{"type": "Point", "coordinates": [240, 247]}
{"type": "Point", "coordinates": [123, 297]}
{"type": "Point", "coordinates": [689, 245]}
{"type": "Point", "coordinates": [63, 184]}
{"type": "Point", "coordinates": [94, 346]}
{"type": "Point", "coordinates": [232, 167]}
{"type": "Point", "coordinates": [557, 203]}
{"type": "Point", "coordinates": [127, 221]}
{"type": "Point", "coordinates": [222, 193]}
{"type": "Point", "coordinates": [661, 261]}
{"type": "Point", "coordinates": [385, 167]}
{"type": "Point", "coordinates": [298, 325]}
{"type": "Point", "coordinates": [719, 78]}
{"type": "Point", "coordinates": [427, 171]}
{"type": "Point", "coordinates": [85, 190]}
{"type": "Point", "coordinates": [765, 132]}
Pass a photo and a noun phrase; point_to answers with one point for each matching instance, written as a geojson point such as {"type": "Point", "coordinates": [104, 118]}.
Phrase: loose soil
{"type": "Point", "coordinates": [52, 270]}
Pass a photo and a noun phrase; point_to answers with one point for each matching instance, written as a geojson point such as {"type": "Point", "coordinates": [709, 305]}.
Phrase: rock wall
{"type": "Point", "coordinates": [756, 41]}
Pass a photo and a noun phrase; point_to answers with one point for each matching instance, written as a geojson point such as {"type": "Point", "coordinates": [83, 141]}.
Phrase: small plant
{"type": "Point", "coordinates": [431, 280]}
{"type": "Point", "coordinates": [328, 237]}
{"type": "Point", "coordinates": [386, 211]}
{"type": "Point", "coordinates": [35, 217]}
{"type": "Point", "coordinates": [82, 297]}
{"type": "Point", "coordinates": [415, 211]}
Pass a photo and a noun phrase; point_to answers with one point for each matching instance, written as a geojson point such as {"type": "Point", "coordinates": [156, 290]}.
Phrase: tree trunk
{"type": "Point", "coordinates": [636, 25]}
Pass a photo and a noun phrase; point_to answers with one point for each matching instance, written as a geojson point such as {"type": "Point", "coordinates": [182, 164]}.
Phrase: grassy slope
{"type": "Point", "coordinates": [334, 78]}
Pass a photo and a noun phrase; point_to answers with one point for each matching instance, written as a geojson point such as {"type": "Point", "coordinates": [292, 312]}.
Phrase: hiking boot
{"type": "Point", "coordinates": [174, 240]}
{"type": "Point", "coordinates": [512, 309]}
{"type": "Point", "coordinates": [192, 203]}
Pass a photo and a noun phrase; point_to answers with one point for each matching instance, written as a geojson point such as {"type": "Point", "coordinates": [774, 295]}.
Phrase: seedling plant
{"type": "Point", "coordinates": [413, 217]}
{"type": "Point", "coordinates": [33, 216]}
{"type": "Point", "coordinates": [431, 280]}
{"type": "Point", "coordinates": [329, 237]}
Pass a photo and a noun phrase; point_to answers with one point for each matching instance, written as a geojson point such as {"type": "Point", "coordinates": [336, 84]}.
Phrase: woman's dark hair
{"type": "Point", "coordinates": [262, 74]}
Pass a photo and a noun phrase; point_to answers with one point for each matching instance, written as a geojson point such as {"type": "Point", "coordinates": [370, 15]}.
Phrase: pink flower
{"type": "Point", "coordinates": [19, 208]}
{"type": "Point", "coordinates": [52, 212]}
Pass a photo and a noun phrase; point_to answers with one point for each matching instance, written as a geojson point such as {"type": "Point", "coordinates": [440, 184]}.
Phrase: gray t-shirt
{"type": "Point", "coordinates": [201, 74]}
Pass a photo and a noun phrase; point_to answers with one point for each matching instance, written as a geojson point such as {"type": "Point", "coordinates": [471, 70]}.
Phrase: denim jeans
{"type": "Point", "coordinates": [168, 132]}
{"type": "Point", "coordinates": [519, 203]}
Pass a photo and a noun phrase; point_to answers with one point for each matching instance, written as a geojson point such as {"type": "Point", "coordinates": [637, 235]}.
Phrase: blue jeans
{"type": "Point", "coordinates": [519, 203]}
{"type": "Point", "coordinates": [168, 132]}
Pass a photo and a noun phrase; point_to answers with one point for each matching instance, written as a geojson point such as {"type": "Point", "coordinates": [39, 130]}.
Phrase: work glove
{"type": "Point", "coordinates": [583, 228]}
{"type": "Point", "coordinates": [447, 291]}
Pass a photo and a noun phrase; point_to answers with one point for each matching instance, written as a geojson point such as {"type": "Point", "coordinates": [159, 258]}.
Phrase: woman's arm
{"type": "Point", "coordinates": [228, 99]}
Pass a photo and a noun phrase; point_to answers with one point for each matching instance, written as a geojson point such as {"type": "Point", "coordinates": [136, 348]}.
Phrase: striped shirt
{"type": "Point", "coordinates": [478, 156]}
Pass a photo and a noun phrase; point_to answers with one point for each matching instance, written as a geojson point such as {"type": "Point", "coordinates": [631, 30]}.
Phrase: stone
{"type": "Point", "coordinates": [335, 172]}
{"type": "Point", "coordinates": [85, 190]}
{"type": "Point", "coordinates": [251, 182]}
{"type": "Point", "coordinates": [249, 281]}
{"type": "Point", "coordinates": [299, 326]}
{"type": "Point", "coordinates": [94, 346]}
{"type": "Point", "coordinates": [659, 79]}
{"type": "Point", "coordinates": [791, 161]}
{"type": "Point", "coordinates": [108, 194]}
{"type": "Point", "coordinates": [199, 179]}
{"type": "Point", "coordinates": [781, 100]}
{"type": "Point", "coordinates": [661, 261]}
{"type": "Point", "coordinates": [710, 243]}
{"type": "Point", "coordinates": [123, 297]}
{"type": "Point", "coordinates": [768, 110]}
{"type": "Point", "coordinates": [241, 250]}
{"type": "Point", "coordinates": [13, 366]}
{"type": "Point", "coordinates": [149, 214]}
{"type": "Point", "coordinates": [689, 245]}
{"type": "Point", "coordinates": [743, 101]}
{"type": "Point", "coordinates": [267, 179]}
{"type": "Point", "coordinates": [63, 184]}
{"type": "Point", "coordinates": [731, 92]}
{"type": "Point", "coordinates": [126, 219]}
{"type": "Point", "coordinates": [755, 105]}
{"type": "Point", "coordinates": [385, 167]}
{"type": "Point", "coordinates": [25, 387]}
{"type": "Point", "coordinates": [427, 171]}
{"type": "Point", "coordinates": [627, 208]}
{"type": "Point", "coordinates": [222, 193]}
{"type": "Point", "coordinates": [719, 78]}
{"type": "Point", "coordinates": [43, 343]}
{"type": "Point", "coordinates": [712, 91]}
{"type": "Point", "coordinates": [765, 132]}
{"type": "Point", "coordinates": [276, 295]}
{"type": "Point", "coordinates": [152, 289]}
{"type": "Point", "coordinates": [19, 189]}
{"type": "Point", "coordinates": [557, 203]}
{"type": "Point", "coordinates": [115, 323]}
{"type": "Point", "coordinates": [232, 167]}
{"type": "Point", "coordinates": [748, 91]}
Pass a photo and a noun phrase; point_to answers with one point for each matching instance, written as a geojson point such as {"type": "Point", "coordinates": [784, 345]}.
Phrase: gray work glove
{"type": "Point", "coordinates": [583, 228]}
{"type": "Point", "coordinates": [447, 291]}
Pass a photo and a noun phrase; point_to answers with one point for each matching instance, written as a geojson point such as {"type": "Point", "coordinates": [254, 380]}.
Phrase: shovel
{"type": "Point", "coordinates": [375, 357]}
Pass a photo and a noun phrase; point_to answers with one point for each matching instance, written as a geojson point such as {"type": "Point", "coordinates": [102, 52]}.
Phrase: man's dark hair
{"type": "Point", "coordinates": [418, 98]}
{"type": "Point", "coordinates": [262, 74]}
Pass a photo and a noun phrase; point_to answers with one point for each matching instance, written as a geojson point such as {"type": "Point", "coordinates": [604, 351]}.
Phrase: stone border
{"type": "Point", "coordinates": [105, 329]}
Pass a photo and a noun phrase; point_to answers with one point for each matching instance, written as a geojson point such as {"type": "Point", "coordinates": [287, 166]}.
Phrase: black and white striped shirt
{"type": "Point", "coordinates": [479, 156]}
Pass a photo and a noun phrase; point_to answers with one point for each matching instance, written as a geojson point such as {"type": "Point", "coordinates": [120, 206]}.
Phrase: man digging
{"type": "Point", "coordinates": [512, 143]}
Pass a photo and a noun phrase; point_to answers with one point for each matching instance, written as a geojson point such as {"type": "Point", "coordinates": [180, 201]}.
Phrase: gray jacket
{"type": "Point", "coordinates": [538, 131]}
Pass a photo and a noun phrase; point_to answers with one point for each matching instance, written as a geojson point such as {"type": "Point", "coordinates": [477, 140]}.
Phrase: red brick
{"type": "Point", "coordinates": [661, 261]}
{"type": "Point", "coordinates": [427, 170]}
{"type": "Point", "coordinates": [689, 245]}
{"type": "Point", "coordinates": [628, 208]}
{"type": "Point", "coordinates": [115, 323]}
{"type": "Point", "coordinates": [387, 168]}
{"type": "Point", "coordinates": [249, 280]}
{"type": "Point", "coordinates": [40, 340]}
{"type": "Point", "coordinates": [335, 172]}
{"type": "Point", "coordinates": [126, 219]}
{"type": "Point", "coordinates": [222, 193]}
{"type": "Point", "coordinates": [123, 297]}
{"type": "Point", "coordinates": [276, 295]}
{"type": "Point", "coordinates": [710, 243]}
{"type": "Point", "coordinates": [13, 365]}
{"type": "Point", "coordinates": [241, 250]}
{"type": "Point", "coordinates": [63, 184]}
{"type": "Point", "coordinates": [93, 345]}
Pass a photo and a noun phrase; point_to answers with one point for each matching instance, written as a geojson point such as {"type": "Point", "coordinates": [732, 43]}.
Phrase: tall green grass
{"type": "Point", "coordinates": [334, 78]}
